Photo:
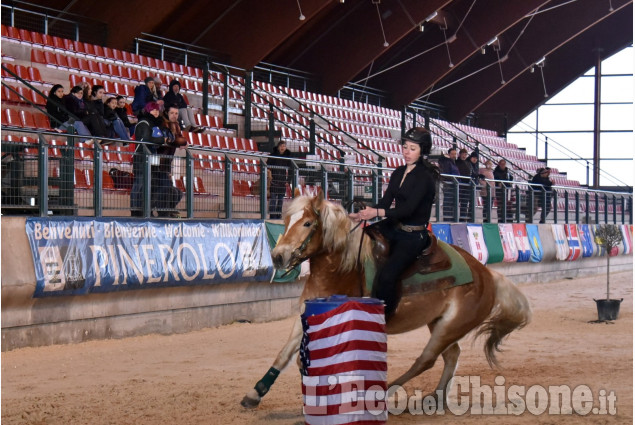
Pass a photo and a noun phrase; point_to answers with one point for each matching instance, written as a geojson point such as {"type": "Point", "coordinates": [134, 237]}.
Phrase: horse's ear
{"type": "Point", "coordinates": [319, 197]}
{"type": "Point", "coordinates": [296, 192]}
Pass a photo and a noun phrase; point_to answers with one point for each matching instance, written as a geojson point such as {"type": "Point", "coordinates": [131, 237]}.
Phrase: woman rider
{"type": "Point", "coordinates": [412, 187]}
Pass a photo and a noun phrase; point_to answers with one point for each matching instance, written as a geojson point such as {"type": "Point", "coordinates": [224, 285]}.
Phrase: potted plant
{"type": "Point", "coordinates": [608, 236]}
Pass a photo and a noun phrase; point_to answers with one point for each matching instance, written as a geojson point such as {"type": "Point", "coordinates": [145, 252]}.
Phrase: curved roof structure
{"type": "Point", "coordinates": [470, 56]}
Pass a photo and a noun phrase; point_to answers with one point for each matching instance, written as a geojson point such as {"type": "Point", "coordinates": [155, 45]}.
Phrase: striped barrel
{"type": "Point", "coordinates": [343, 355]}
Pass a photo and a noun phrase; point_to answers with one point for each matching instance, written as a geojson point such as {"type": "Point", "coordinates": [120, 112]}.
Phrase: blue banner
{"type": "Point", "coordinates": [442, 232]}
{"type": "Point", "coordinates": [533, 236]}
{"type": "Point", "coordinates": [88, 255]}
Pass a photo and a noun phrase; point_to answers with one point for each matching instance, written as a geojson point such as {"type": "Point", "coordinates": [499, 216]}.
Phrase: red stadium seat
{"type": "Point", "coordinates": [27, 120]}
{"type": "Point", "coordinates": [11, 118]}
{"type": "Point", "coordinates": [11, 68]}
{"type": "Point", "coordinates": [38, 56]}
{"type": "Point", "coordinates": [42, 121]}
{"type": "Point", "coordinates": [34, 75]}
{"type": "Point", "coordinates": [81, 181]}
{"type": "Point", "coordinates": [10, 96]}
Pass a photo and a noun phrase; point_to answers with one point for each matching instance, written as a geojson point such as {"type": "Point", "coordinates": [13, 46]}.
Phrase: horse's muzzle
{"type": "Point", "coordinates": [277, 261]}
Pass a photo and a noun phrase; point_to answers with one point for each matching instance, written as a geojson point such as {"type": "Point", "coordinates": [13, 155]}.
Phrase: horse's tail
{"type": "Point", "coordinates": [511, 311]}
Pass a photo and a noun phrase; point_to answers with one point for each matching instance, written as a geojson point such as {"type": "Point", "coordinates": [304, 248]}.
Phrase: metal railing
{"type": "Point", "coordinates": [52, 174]}
{"type": "Point", "coordinates": [45, 20]}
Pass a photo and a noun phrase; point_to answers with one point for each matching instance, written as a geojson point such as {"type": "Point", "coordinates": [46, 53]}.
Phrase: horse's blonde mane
{"type": "Point", "coordinates": [336, 228]}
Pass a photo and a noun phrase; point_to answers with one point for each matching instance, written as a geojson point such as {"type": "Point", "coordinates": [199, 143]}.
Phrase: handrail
{"type": "Point", "coordinates": [326, 170]}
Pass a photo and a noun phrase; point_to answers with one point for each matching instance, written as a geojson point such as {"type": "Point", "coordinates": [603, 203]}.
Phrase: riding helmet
{"type": "Point", "coordinates": [420, 136]}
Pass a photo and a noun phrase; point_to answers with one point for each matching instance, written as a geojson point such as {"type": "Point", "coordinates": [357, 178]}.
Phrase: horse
{"type": "Point", "coordinates": [321, 231]}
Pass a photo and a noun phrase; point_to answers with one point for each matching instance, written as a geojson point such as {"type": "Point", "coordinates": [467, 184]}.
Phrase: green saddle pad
{"type": "Point", "coordinates": [459, 270]}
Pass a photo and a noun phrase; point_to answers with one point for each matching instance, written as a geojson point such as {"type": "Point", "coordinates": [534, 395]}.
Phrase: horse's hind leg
{"type": "Point", "coordinates": [442, 341]}
{"type": "Point", "coordinates": [253, 397]}
{"type": "Point", "coordinates": [450, 362]}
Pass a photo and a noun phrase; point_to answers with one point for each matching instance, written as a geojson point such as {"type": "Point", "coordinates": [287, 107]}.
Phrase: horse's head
{"type": "Point", "coordinates": [303, 233]}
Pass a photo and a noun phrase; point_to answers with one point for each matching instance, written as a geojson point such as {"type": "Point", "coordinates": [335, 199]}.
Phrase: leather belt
{"type": "Point", "coordinates": [408, 228]}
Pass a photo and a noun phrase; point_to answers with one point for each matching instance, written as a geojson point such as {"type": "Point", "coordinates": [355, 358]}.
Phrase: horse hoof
{"type": "Point", "coordinates": [249, 403]}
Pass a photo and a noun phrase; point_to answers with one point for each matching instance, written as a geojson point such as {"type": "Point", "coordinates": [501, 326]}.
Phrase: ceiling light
{"type": "Point", "coordinates": [541, 62]}
{"type": "Point", "coordinates": [492, 41]}
{"type": "Point", "coordinates": [432, 16]}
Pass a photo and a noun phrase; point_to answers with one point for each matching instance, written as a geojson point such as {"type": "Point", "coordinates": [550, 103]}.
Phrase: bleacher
{"type": "Point", "coordinates": [356, 132]}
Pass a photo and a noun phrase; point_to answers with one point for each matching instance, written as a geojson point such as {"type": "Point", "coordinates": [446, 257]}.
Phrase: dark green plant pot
{"type": "Point", "coordinates": [608, 309]}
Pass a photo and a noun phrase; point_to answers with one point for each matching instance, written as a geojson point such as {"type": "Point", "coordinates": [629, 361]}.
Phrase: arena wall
{"type": "Point", "coordinates": [32, 322]}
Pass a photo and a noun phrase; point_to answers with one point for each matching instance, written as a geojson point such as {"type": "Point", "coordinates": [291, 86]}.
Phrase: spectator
{"type": "Point", "coordinates": [174, 97]}
{"type": "Point", "coordinates": [447, 165]}
{"type": "Point", "coordinates": [543, 183]}
{"type": "Point", "coordinates": [113, 122]}
{"type": "Point", "coordinates": [122, 113]}
{"type": "Point", "coordinates": [95, 108]}
{"type": "Point", "coordinates": [77, 106]}
{"type": "Point", "coordinates": [150, 129]}
{"type": "Point", "coordinates": [143, 94]}
{"type": "Point", "coordinates": [279, 177]}
{"type": "Point", "coordinates": [465, 169]}
{"type": "Point", "coordinates": [165, 197]}
{"type": "Point", "coordinates": [501, 172]}
{"type": "Point", "coordinates": [85, 90]}
{"type": "Point", "coordinates": [157, 93]}
{"type": "Point", "coordinates": [61, 119]}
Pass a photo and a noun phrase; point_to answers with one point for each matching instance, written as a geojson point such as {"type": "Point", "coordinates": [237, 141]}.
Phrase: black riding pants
{"type": "Point", "coordinates": [404, 249]}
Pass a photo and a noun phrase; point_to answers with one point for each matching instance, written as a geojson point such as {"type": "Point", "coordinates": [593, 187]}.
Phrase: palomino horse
{"type": "Point", "coordinates": [321, 230]}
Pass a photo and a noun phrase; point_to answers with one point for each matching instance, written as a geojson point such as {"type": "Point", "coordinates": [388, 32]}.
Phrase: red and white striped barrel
{"type": "Point", "coordinates": [343, 355]}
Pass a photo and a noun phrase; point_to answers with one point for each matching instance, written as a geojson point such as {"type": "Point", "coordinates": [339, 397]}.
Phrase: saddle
{"type": "Point", "coordinates": [432, 258]}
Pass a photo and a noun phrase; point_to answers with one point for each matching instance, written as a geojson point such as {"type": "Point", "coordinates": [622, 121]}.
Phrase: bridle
{"type": "Point", "coordinates": [297, 254]}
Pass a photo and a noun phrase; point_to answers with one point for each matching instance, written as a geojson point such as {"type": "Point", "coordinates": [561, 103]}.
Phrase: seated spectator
{"type": "Point", "coordinates": [76, 105]}
{"type": "Point", "coordinates": [488, 173]}
{"type": "Point", "coordinates": [157, 93]}
{"type": "Point", "coordinates": [95, 109]}
{"type": "Point", "coordinates": [122, 113]}
{"type": "Point", "coordinates": [113, 122]}
{"type": "Point", "coordinates": [61, 119]}
{"type": "Point", "coordinates": [174, 98]}
{"type": "Point", "coordinates": [143, 94]}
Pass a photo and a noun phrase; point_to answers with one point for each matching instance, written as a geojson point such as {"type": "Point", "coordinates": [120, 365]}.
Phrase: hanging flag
{"type": "Point", "coordinates": [585, 240]}
{"type": "Point", "coordinates": [573, 240]}
{"type": "Point", "coordinates": [560, 238]}
{"type": "Point", "coordinates": [549, 250]}
{"type": "Point", "coordinates": [478, 248]}
{"type": "Point", "coordinates": [459, 236]}
{"type": "Point", "coordinates": [627, 239]}
{"type": "Point", "coordinates": [601, 250]}
{"type": "Point", "coordinates": [442, 232]}
{"type": "Point", "coordinates": [493, 243]}
{"type": "Point", "coordinates": [522, 242]}
{"type": "Point", "coordinates": [509, 244]}
{"type": "Point", "coordinates": [534, 243]}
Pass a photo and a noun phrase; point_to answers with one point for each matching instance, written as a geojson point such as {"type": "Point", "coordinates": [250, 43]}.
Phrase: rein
{"type": "Point", "coordinates": [359, 253]}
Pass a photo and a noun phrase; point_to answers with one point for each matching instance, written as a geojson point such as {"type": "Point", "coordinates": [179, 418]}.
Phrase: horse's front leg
{"type": "Point", "coordinates": [253, 397]}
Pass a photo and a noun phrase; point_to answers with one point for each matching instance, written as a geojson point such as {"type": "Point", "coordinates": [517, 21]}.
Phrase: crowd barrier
{"type": "Point", "coordinates": [52, 174]}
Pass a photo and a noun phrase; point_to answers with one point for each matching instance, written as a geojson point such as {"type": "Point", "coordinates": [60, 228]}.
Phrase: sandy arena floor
{"type": "Point", "coordinates": [200, 377]}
